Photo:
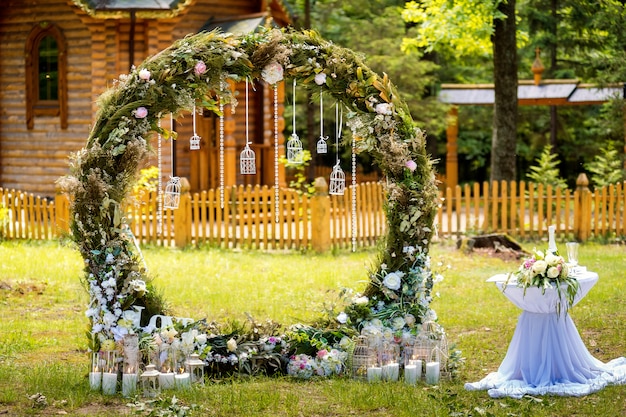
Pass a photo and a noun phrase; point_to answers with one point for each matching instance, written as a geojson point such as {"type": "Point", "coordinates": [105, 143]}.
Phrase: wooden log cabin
{"type": "Point", "coordinates": [58, 56]}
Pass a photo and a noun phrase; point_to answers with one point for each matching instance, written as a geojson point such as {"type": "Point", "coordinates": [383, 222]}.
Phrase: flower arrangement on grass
{"type": "Point", "coordinates": [546, 270]}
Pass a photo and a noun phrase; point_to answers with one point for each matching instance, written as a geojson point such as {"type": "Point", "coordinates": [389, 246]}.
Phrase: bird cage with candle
{"type": "Point", "coordinates": [294, 149]}
{"type": "Point", "coordinates": [171, 197]}
{"type": "Point", "coordinates": [195, 365]}
{"type": "Point", "coordinates": [322, 146]}
{"type": "Point", "coordinates": [337, 184]}
{"type": "Point", "coordinates": [150, 382]}
{"type": "Point", "coordinates": [247, 161]}
{"type": "Point", "coordinates": [363, 357]}
{"type": "Point", "coordinates": [194, 142]}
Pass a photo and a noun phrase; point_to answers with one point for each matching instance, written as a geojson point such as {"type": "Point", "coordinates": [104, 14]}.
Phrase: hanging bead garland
{"type": "Point", "coordinates": [221, 144]}
{"type": "Point", "coordinates": [322, 146]}
{"type": "Point", "coordinates": [159, 183]}
{"type": "Point", "coordinates": [337, 177]}
{"type": "Point", "coordinates": [353, 194]}
{"type": "Point", "coordinates": [194, 141]}
{"type": "Point", "coordinates": [247, 159]}
{"type": "Point", "coordinates": [276, 151]}
{"type": "Point", "coordinates": [294, 145]}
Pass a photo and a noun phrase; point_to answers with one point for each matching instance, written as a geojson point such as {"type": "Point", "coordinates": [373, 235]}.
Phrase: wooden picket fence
{"type": "Point", "coordinates": [259, 217]}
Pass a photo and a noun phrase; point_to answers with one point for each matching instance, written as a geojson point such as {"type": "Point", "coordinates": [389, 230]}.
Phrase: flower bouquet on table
{"type": "Point", "coordinates": [546, 270]}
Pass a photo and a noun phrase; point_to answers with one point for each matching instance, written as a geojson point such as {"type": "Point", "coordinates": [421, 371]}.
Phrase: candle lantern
{"type": "Point", "coordinates": [247, 161]}
{"type": "Point", "coordinates": [337, 184]}
{"type": "Point", "coordinates": [322, 146]}
{"type": "Point", "coordinates": [171, 198]}
{"type": "Point", "coordinates": [195, 365]}
{"type": "Point", "coordinates": [363, 358]}
{"type": "Point", "coordinates": [194, 142]}
{"type": "Point", "coordinates": [294, 149]}
{"type": "Point", "coordinates": [389, 360]}
{"type": "Point", "coordinates": [150, 381]}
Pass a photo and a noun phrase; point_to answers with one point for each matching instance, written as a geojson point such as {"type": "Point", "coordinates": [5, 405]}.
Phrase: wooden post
{"type": "Point", "coordinates": [452, 156]}
{"type": "Point", "coordinates": [61, 212]}
{"type": "Point", "coordinates": [320, 216]}
{"type": "Point", "coordinates": [582, 209]}
{"type": "Point", "coordinates": [182, 216]}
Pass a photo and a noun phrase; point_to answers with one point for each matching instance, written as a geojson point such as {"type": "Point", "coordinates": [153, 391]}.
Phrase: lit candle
{"type": "Point", "coordinates": [183, 380]}
{"type": "Point", "coordinates": [410, 374]}
{"type": "Point", "coordinates": [432, 373]}
{"type": "Point", "coordinates": [129, 384]}
{"type": "Point", "coordinates": [95, 379]}
{"type": "Point", "coordinates": [166, 380]}
{"type": "Point", "coordinates": [109, 383]}
{"type": "Point", "coordinates": [391, 372]}
{"type": "Point", "coordinates": [374, 374]}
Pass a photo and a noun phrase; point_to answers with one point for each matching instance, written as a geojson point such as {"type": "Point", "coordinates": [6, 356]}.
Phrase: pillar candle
{"type": "Point", "coordinates": [432, 373]}
{"type": "Point", "coordinates": [410, 374]}
{"type": "Point", "coordinates": [374, 374]}
{"type": "Point", "coordinates": [109, 383]}
{"type": "Point", "coordinates": [182, 380]}
{"type": "Point", "coordinates": [95, 379]}
{"type": "Point", "coordinates": [391, 372]}
{"type": "Point", "coordinates": [166, 380]}
{"type": "Point", "coordinates": [129, 384]}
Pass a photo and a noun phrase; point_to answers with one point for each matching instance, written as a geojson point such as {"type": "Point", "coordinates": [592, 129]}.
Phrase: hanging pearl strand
{"type": "Point", "coordinates": [353, 194]}
{"type": "Point", "coordinates": [160, 184]}
{"type": "Point", "coordinates": [276, 182]}
{"type": "Point", "coordinates": [221, 98]}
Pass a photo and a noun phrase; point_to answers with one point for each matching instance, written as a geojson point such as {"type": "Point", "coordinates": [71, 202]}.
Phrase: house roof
{"type": "Point", "coordinates": [548, 92]}
{"type": "Point", "coordinates": [237, 25]}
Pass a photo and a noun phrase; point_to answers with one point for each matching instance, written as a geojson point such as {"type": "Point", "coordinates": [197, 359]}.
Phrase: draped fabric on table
{"type": "Point", "coordinates": [546, 354]}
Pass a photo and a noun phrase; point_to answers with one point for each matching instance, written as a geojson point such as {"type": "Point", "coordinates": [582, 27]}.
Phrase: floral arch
{"type": "Point", "coordinates": [191, 72]}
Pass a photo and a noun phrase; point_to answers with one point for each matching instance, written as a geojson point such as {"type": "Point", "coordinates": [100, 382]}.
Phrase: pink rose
{"type": "Point", "coordinates": [272, 73]}
{"type": "Point", "coordinates": [144, 74]}
{"type": "Point", "coordinates": [411, 165]}
{"type": "Point", "coordinates": [141, 112]}
{"type": "Point", "coordinates": [200, 68]}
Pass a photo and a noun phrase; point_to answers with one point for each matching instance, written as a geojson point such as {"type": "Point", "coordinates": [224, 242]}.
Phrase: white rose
{"type": "Point", "coordinates": [342, 318]}
{"type": "Point", "coordinates": [409, 319]}
{"type": "Point", "coordinates": [398, 323]}
{"type": "Point", "coordinates": [392, 281]}
{"type": "Point", "coordinates": [384, 108]}
{"type": "Point", "coordinates": [320, 78]}
{"type": "Point", "coordinates": [231, 345]}
{"type": "Point", "coordinates": [272, 73]}
{"type": "Point", "coordinates": [551, 259]}
{"type": "Point", "coordinates": [539, 267]}
{"type": "Point", "coordinates": [361, 300]}
{"type": "Point", "coordinates": [553, 272]}
{"type": "Point", "coordinates": [144, 74]}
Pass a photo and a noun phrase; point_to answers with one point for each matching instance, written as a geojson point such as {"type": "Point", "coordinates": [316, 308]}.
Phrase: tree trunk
{"type": "Point", "coordinates": [504, 139]}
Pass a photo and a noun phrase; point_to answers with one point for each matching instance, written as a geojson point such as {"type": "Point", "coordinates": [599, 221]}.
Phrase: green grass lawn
{"type": "Point", "coordinates": [43, 347]}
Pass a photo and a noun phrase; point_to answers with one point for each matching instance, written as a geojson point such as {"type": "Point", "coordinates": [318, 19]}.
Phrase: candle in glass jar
{"type": "Point", "coordinates": [183, 380]}
{"type": "Point", "coordinates": [129, 384]}
{"type": "Point", "coordinates": [432, 373]}
{"type": "Point", "coordinates": [166, 380]}
{"type": "Point", "coordinates": [374, 374]}
{"type": "Point", "coordinates": [391, 372]}
{"type": "Point", "coordinates": [410, 374]}
{"type": "Point", "coordinates": [109, 383]}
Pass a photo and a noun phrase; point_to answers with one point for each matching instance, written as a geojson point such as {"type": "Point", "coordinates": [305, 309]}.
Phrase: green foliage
{"type": "Point", "coordinates": [4, 219]}
{"type": "Point", "coordinates": [546, 170]}
{"type": "Point", "coordinates": [300, 183]}
{"type": "Point", "coordinates": [148, 180]}
{"type": "Point", "coordinates": [607, 167]}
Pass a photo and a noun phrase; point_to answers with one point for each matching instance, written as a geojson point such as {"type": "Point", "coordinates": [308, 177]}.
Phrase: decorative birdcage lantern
{"type": "Point", "coordinates": [195, 365]}
{"type": "Point", "coordinates": [171, 197]}
{"type": "Point", "coordinates": [194, 142]}
{"type": "Point", "coordinates": [150, 381]}
{"type": "Point", "coordinates": [322, 146]}
{"type": "Point", "coordinates": [247, 161]}
{"type": "Point", "coordinates": [294, 149]}
{"type": "Point", "coordinates": [364, 357]}
{"type": "Point", "coordinates": [337, 184]}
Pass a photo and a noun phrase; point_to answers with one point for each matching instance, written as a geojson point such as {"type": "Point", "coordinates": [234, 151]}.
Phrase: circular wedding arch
{"type": "Point", "coordinates": [192, 72]}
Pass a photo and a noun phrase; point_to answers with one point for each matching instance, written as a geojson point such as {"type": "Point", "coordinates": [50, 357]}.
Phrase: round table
{"type": "Point", "coordinates": [546, 354]}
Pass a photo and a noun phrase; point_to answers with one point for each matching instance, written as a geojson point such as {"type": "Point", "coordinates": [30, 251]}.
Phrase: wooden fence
{"type": "Point", "coordinates": [259, 217]}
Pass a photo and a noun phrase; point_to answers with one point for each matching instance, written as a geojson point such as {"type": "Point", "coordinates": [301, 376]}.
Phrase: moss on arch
{"type": "Point", "coordinates": [192, 71]}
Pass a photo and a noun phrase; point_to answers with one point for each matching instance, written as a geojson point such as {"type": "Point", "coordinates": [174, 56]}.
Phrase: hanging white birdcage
{"type": "Point", "coordinates": [294, 149]}
{"type": "Point", "coordinates": [194, 142]}
{"type": "Point", "coordinates": [322, 146]}
{"type": "Point", "coordinates": [171, 197]}
{"type": "Point", "coordinates": [337, 181]}
{"type": "Point", "coordinates": [247, 161]}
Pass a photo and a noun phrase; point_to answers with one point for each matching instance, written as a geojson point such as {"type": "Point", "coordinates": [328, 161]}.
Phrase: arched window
{"type": "Point", "coordinates": [46, 74]}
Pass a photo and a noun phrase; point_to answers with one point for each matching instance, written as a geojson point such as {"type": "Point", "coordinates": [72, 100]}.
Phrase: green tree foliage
{"type": "Point", "coordinates": [606, 168]}
{"type": "Point", "coordinates": [546, 170]}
